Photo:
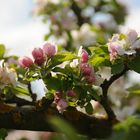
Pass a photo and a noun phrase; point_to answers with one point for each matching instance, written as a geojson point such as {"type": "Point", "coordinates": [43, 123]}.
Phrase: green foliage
{"type": "Point", "coordinates": [20, 90]}
{"type": "Point", "coordinates": [2, 50]}
{"type": "Point", "coordinates": [134, 90]}
{"type": "Point", "coordinates": [62, 57]}
{"type": "Point", "coordinates": [117, 67]}
{"type": "Point", "coordinates": [89, 108]}
{"type": "Point", "coordinates": [100, 56]}
{"type": "Point", "coordinates": [127, 130]}
{"type": "Point", "coordinates": [3, 134]}
{"type": "Point", "coordinates": [134, 64]}
{"type": "Point", "coordinates": [67, 131]}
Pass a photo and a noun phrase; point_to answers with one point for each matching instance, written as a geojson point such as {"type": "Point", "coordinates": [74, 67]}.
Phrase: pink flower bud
{"type": "Point", "coordinates": [49, 49]}
{"type": "Point", "coordinates": [90, 79]}
{"type": "Point", "coordinates": [71, 93]}
{"type": "Point", "coordinates": [84, 56]}
{"type": "Point", "coordinates": [86, 69]}
{"type": "Point", "coordinates": [38, 55]}
{"type": "Point", "coordinates": [39, 61]}
{"type": "Point", "coordinates": [25, 62]}
{"type": "Point", "coordinates": [62, 105]}
{"type": "Point", "coordinates": [57, 97]}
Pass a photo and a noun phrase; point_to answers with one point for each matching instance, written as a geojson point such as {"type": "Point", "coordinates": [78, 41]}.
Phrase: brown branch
{"type": "Point", "coordinates": [76, 9]}
{"type": "Point", "coordinates": [38, 120]}
{"type": "Point", "coordinates": [18, 101]}
{"type": "Point", "coordinates": [104, 99]}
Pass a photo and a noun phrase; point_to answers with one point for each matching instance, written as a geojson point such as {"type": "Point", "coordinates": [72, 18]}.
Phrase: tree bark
{"type": "Point", "coordinates": [30, 118]}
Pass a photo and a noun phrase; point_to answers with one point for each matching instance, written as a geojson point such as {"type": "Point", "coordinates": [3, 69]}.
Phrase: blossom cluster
{"type": "Point", "coordinates": [39, 55]}
{"type": "Point", "coordinates": [62, 102]}
{"type": "Point", "coordinates": [123, 44]}
{"type": "Point", "coordinates": [8, 76]}
{"type": "Point", "coordinates": [86, 69]}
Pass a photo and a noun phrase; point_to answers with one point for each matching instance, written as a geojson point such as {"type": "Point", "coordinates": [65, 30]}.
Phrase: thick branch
{"type": "Point", "coordinates": [104, 99]}
{"type": "Point", "coordinates": [38, 120]}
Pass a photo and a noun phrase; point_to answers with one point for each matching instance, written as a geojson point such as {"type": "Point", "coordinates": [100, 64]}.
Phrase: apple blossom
{"type": "Point", "coordinates": [131, 36]}
{"type": "Point", "coordinates": [85, 69]}
{"type": "Point", "coordinates": [83, 55]}
{"type": "Point", "coordinates": [90, 79]}
{"type": "Point", "coordinates": [71, 93]}
{"type": "Point", "coordinates": [38, 55]}
{"type": "Point", "coordinates": [62, 105]}
{"type": "Point", "coordinates": [49, 49]}
{"type": "Point", "coordinates": [115, 48]}
{"type": "Point", "coordinates": [25, 62]}
{"type": "Point", "coordinates": [7, 76]}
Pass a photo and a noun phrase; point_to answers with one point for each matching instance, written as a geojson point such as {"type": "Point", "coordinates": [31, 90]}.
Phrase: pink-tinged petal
{"type": "Point", "coordinates": [131, 36]}
{"type": "Point", "coordinates": [71, 93]}
{"type": "Point", "coordinates": [25, 61]}
{"type": "Point", "coordinates": [84, 56]}
{"type": "Point", "coordinates": [62, 105]}
{"type": "Point", "coordinates": [90, 79]}
{"type": "Point", "coordinates": [49, 49]}
{"type": "Point", "coordinates": [39, 61]}
{"type": "Point", "coordinates": [37, 53]}
{"type": "Point", "coordinates": [86, 69]}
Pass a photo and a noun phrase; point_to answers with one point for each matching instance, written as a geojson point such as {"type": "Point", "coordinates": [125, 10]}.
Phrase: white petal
{"type": "Point", "coordinates": [131, 36]}
{"type": "Point", "coordinates": [136, 45]}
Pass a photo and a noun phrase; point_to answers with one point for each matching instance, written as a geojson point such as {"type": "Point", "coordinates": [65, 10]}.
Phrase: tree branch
{"type": "Point", "coordinates": [104, 99]}
{"type": "Point", "coordinates": [77, 12]}
{"type": "Point", "coordinates": [22, 118]}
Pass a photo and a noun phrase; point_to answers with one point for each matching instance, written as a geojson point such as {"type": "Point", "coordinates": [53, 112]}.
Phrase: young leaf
{"type": "Point", "coordinates": [117, 68]}
{"type": "Point", "coordinates": [135, 64]}
{"type": "Point", "coordinates": [2, 50]}
{"type": "Point", "coordinates": [89, 108]}
{"type": "Point", "coordinates": [62, 57]}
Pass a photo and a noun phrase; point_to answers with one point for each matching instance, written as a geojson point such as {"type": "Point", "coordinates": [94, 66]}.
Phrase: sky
{"type": "Point", "coordinates": [20, 31]}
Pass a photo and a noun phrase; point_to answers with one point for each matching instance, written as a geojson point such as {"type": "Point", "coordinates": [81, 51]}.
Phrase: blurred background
{"type": "Point", "coordinates": [21, 29]}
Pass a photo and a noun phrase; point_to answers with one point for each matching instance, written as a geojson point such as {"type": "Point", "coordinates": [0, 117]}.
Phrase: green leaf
{"type": "Point", "coordinates": [62, 57]}
{"type": "Point", "coordinates": [99, 50]}
{"type": "Point", "coordinates": [3, 133]}
{"type": "Point", "coordinates": [65, 128]}
{"type": "Point", "coordinates": [134, 90]}
{"type": "Point", "coordinates": [135, 64]}
{"type": "Point", "coordinates": [20, 90]}
{"type": "Point", "coordinates": [117, 68]}
{"type": "Point", "coordinates": [127, 130]}
{"type": "Point", "coordinates": [89, 108]}
{"type": "Point", "coordinates": [53, 83]}
{"type": "Point", "coordinates": [99, 61]}
{"type": "Point", "coordinates": [2, 50]}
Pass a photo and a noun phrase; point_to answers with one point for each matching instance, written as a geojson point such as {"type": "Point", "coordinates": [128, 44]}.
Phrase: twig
{"type": "Point", "coordinates": [33, 96]}
{"type": "Point", "coordinates": [19, 101]}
